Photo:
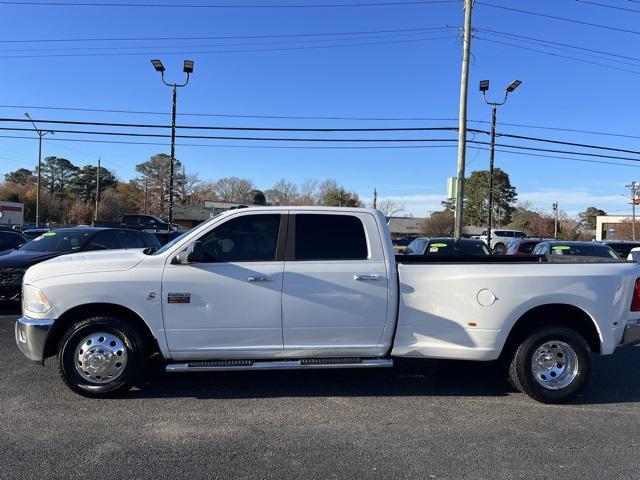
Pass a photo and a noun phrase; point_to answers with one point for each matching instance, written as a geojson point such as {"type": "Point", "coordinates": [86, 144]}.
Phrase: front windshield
{"type": "Point", "coordinates": [170, 244]}
{"type": "Point", "coordinates": [57, 241]}
{"type": "Point", "coordinates": [177, 239]}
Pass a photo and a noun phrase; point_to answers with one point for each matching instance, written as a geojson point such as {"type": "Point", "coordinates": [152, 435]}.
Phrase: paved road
{"type": "Point", "coordinates": [444, 420]}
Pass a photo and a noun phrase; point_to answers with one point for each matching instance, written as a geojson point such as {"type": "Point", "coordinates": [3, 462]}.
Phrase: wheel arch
{"type": "Point", "coordinates": [81, 312]}
{"type": "Point", "coordinates": [554, 314]}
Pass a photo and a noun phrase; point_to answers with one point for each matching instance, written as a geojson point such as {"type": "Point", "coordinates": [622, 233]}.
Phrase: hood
{"type": "Point", "coordinates": [23, 258]}
{"type": "Point", "coordinates": [89, 262]}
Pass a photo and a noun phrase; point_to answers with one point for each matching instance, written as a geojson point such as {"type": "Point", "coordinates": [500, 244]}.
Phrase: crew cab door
{"type": "Point", "coordinates": [335, 289]}
{"type": "Point", "coordinates": [228, 304]}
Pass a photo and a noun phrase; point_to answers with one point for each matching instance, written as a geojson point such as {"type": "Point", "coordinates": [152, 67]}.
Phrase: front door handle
{"type": "Point", "coordinates": [259, 279]}
{"type": "Point", "coordinates": [365, 278]}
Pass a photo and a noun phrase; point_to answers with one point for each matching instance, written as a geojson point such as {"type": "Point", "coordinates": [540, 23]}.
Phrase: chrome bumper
{"type": "Point", "coordinates": [631, 334]}
{"type": "Point", "coordinates": [31, 336]}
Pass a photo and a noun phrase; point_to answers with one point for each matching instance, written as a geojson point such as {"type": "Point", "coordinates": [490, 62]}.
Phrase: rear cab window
{"type": "Point", "coordinates": [329, 237]}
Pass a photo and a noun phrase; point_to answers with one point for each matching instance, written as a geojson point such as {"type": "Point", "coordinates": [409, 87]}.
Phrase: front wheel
{"type": "Point", "coordinates": [551, 365]}
{"type": "Point", "coordinates": [100, 356]}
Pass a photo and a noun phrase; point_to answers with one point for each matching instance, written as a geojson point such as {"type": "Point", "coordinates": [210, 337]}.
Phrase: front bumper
{"type": "Point", "coordinates": [31, 337]}
{"type": "Point", "coordinates": [631, 335]}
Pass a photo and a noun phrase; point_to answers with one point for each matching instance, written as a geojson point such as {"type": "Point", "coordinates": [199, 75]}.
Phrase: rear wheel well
{"type": "Point", "coordinates": [556, 314]}
{"type": "Point", "coordinates": [83, 312]}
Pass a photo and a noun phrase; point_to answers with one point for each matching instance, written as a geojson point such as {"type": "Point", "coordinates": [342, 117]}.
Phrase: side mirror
{"type": "Point", "coordinates": [194, 253]}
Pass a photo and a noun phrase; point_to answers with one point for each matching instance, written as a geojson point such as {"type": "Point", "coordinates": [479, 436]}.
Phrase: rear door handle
{"type": "Point", "coordinates": [366, 278]}
{"type": "Point", "coordinates": [259, 279]}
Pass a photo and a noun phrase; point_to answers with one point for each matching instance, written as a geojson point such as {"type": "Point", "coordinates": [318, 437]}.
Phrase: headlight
{"type": "Point", "coordinates": [34, 300]}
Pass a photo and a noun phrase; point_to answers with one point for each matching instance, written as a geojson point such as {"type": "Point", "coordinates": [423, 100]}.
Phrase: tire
{"type": "Point", "coordinates": [110, 355]}
{"type": "Point", "coordinates": [551, 365]}
{"type": "Point", "coordinates": [499, 249]}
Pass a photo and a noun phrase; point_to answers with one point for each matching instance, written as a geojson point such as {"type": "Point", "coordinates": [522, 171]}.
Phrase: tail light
{"type": "Point", "coordinates": [635, 303]}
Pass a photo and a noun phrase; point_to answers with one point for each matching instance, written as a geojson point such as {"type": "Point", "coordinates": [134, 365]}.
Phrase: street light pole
{"type": "Point", "coordinates": [188, 69]}
{"type": "Point", "coordinates": [634, 187]}
{"type": "Point", "coordinates": [484, 87]}
{"type": "Point", "coordinates": [555, 220]}
{"type": "Point", "coordinates": [41, 135]}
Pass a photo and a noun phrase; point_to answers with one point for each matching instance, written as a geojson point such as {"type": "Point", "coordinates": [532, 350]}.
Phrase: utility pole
{"type": "Point", "coordinates": [41, 135]}
{"type": "Point", "coordinates": [555, 220]}
{"type": "Point", "coordinates": [375, 198]}
{"type": "Point", "coordinates": [634, 187]}
{"type": "Point", "coordinates": [97, 191]}
{"type": "Point", "coordinates": [484, 87]}
{"type": "Point", "coordinates": [462, 118]}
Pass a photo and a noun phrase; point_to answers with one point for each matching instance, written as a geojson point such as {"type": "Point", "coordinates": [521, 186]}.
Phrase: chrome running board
{"type": "Point", "coordinates": [306, 363]}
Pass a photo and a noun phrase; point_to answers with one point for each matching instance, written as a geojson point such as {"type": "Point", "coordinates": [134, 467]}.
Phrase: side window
{"type": "Point", "coordinates": [499, 233]}
{"type": "Point", "coordinates": [130, 240]}
{"type": "Point", "coordinates": [250, 238]}
{"type": "Point", "coordinates": [329, 237]}
{"type": "Point", "coordinates": [104, 240]}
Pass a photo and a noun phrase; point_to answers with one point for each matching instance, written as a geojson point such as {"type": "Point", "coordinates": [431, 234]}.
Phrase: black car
{"type": "Point", "coordinates": [447, 246]}
{"type": "Point", "coordinates": [144, 222]}
{"type": "Point", "coordinates": [32, 233]}
{"type": "Point", "coordinates": [621, 247]}
{"type": "Point", "coordinates": [589, 251]}
{"type": "Point", "coordinates": [10, 240]}
{"type": "Point", "coordinates": [13, 263]}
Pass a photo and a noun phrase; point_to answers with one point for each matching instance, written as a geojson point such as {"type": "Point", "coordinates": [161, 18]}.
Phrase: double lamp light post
{"type": "Point", "coordinates": [484, 87]}
{"type": "Point", "coordinates": [188, 69]}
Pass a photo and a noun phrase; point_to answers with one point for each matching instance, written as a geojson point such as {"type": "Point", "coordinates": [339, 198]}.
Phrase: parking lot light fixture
{"type": "Point", "coordinates": [188, 70]}
{"type": "Point", "coordinates": [41, 134]}
{"type": "Point", "coordinates": [484, 87]}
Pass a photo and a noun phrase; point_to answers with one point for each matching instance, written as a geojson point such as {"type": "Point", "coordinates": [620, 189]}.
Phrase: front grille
{"type": "Point", "coordinates": [11, 276]}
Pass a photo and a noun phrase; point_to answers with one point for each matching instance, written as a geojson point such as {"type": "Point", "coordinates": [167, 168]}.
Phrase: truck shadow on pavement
{"type": "Point", "coordinates": [615, 380]}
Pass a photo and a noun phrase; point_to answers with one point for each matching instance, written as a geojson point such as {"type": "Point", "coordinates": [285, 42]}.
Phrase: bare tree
{"type": "Point", "coordinates": [308, 192]}
{"type": "Point", "coordinates": [230, 189]}
{"type": "Point", "coordinates": [390, 208]}
{"type": "Point", "coordinates": [282, 193]}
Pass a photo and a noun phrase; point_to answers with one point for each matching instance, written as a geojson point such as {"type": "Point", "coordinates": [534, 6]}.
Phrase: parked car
{"type": "Point", "coordinates": [589, 250]}
{"type": "Point", "coordinates": [14, 263]}
{"type": "Point", "coordinates": [447, 246]}
{"type": "Point", "coordinates": [500, 238]}
{"type": "Point", "coordinates": [522, 246]}
{"type": "Point", "coordinates": [403, 241]}
{"type": "Point", "coordinates": [11, 240]}
{"type": "Point", "coordinates": [621, 247]}
{"type": "Point", "coordinates": [271, 288]}
{"type": "Point", "coordinates": [32, 233]}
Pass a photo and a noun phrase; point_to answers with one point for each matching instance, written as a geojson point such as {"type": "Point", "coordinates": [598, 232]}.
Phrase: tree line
{"type": "Point", "coordinates": [68, 191]}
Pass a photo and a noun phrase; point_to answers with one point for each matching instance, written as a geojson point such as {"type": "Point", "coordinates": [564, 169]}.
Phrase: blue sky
{"type": "Point", "coordinates": [402, 75]}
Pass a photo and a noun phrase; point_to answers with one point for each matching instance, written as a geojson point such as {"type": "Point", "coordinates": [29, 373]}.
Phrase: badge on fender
{"type": "Point", "coordinates": [178, 298]}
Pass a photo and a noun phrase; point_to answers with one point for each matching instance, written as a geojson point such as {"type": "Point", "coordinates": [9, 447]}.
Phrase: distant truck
{"type": "Point", "coordinates": [11, 214]}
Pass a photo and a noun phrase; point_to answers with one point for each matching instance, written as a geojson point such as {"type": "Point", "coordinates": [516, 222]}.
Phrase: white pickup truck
{"type": "Point", "coordinates": [318, 287]}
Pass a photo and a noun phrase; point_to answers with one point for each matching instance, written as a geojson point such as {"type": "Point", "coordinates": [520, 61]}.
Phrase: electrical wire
{"type": "Point", "coordinates": [223, 6]}
{"type": "Point", "coordinates": [211, 52]}
{"type": "Point", "coordinates": [615, 7]}
{"type": "Point", "coordinates": [563, 19]}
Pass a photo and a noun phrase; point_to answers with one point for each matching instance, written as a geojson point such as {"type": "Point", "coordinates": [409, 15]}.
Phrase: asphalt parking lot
{"type": "Point", "coordinates": [437, 420]}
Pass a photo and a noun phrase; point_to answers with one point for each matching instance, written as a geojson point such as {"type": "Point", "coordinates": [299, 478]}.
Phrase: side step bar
{"type": "Point", "coordinates": [306, 363]}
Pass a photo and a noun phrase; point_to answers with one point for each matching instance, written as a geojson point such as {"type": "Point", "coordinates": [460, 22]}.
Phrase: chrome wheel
{"type": "Point", "coordinates": [100, 357]}
{"type": "Point", "coordinates": [554, 365]}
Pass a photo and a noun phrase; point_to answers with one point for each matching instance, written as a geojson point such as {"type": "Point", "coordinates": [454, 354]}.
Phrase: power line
{"type": "Point", "coordinates": [223, 6]}
{"type": "Point", "coordinates": [546, 42]}
{"type": "Point", "coordinates": [211, 52]}
{"type": "Point", "coordinates": [158, 48]}
{"type": "Point", "coordinates": [563, 19]}
{"type": "Point", "coordinates": [615, 7]}
{"type": "Point", "coordinates": [228, 37]}
{"type": "Point", "coordinates": [559, 55]}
